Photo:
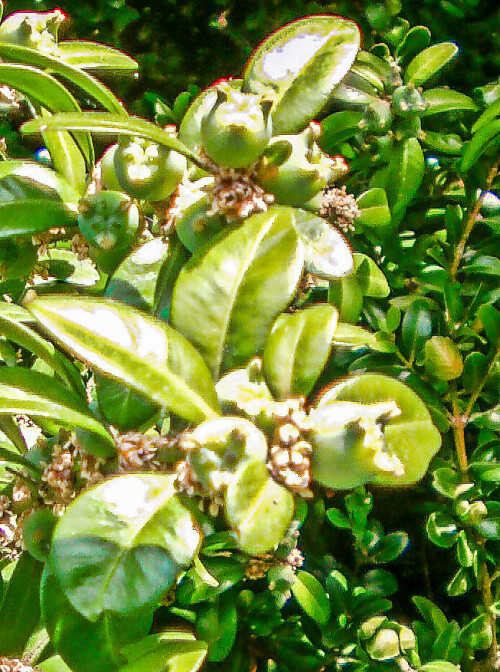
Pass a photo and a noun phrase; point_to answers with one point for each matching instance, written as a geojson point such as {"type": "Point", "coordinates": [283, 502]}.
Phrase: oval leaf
{"type": "Point", "coordinates": [405, 174]}
{"type": "Point", "coordinates": [429, 61]}
{"type": "Point", "coordinates": [311, 596]}
{"type": "Point", "coordinates": [297, 350]}
{"type": "Point", "coordinates": [111, 533]}
{"type": "Point", "coordinates": [217, 292]}
{"type": "Point", "coordinates": [302, 63]}
{"type": "Point", "coordinates": [96, 56]}
{"type": "Point", "coordinates": [444, 100]}
{"type": "Point", "coordinates": [135, 349]}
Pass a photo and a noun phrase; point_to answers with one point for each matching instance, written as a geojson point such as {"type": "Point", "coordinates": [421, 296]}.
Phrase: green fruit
{"type": "Point", "coordinates": [237, 129]}
{"type": "Point", "coordinates": [37, 533]}
{"type": "Point", "coordinates": [17, 258]}
{"type": "Point", "coordinates": [108, 173]}
{"type": "Point", "coordinates": [37, 30]}
{"type": "Point", "coordinates": [384, 434]}
{"type": "Point", "coordinates": [295, 169]}
{"type": "Point", "coordinates": [146, 170]}
{"type": "Point", "coordinates": [193, 225]}
{"type": "Point", "coordinates": [443, 359]}
{"type": "Point", "coordinates": [109, 220]}
{"type": "Point", "coordinates": [407, 100]}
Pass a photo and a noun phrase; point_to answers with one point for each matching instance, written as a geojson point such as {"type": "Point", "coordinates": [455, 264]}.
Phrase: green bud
{"type": "Point", "coordinates": [378, 115]}
{"type": "Point", "coordinates": [407, 100]}
{"type": "Point", "coordinates": [108, 220]}
{"type": "Point", "coordinates": [295, 169]}
{"type": "Point", "coordinates": [443, 359]}
{"type": "Point", "coordinates": [33, 29]}
{"type": "Point", "coordinates": [37, 533]}
{"type": "Point", "coordinates": [193, 224]}
{"type": "Point", "coordinates": [147, 170]}
{"type": "Point", "coordinates": [237, 129]}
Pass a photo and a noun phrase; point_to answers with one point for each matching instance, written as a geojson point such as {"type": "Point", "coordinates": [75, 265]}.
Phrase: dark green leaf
{"type": "Point", "coordinates": [478, 634]}
{"type": "Point", "coordinates": [485, 138]}
{"type": "Point", "coordinates": [442, 530]}
{"type": "Point", "coordinates": [391, 546]}
{"type": "Point", "coordinates": [21, 607]}
{"type": "Point", "coordinates": [446, 644]}
{"type": "Point", "coordinates": [432, 614]}
{"type": "Point", "coordinates": [337, 518]}
{"type": "Point", "coordinates": [489, 316]}
{"type": "Point", "coordinates": [257, 264]}
{"type": "Point", "coordinates": [484, 265]}
{"type": "Point", "coordinates": [135, 349]}
{"type": "Point", "coordinates": [488, 115]}
{"type": "Point", "coordinates": [311, 596]}
{"type": "Point", "coordinates": [339, 127]}
{"type": "Point", "coordinates": [216, 623]}
{"type": "Point", "coordinates": [405, 174]}
{"type": "Point", "coordinates": [302, 63]}
{"type": "Point", "coordinates": [460, 583]}
{"type": "Point", "coordinates": [447, 143]}
{"type": "Point", "coordinates": [416, 328]}
{"type": "Point", "coordinates": [174, 650]}
{"type": "Point", "coordinates": [111, 533]}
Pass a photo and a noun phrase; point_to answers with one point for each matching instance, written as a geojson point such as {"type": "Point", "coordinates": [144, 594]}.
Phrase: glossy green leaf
{"type": "Point", "coordinates": [461, 582]}
{"type": "Point", "coordinates": [327, 253]}
{"type": "Point", "coordinates": [354, 336]}
{"type": "Point", "coordinates": [87, 646]}
{"type": "Point", "coordinates": [445, 100]}
{"type": "Point", "coordinates": [431, 613]}
{"type": "Point", "coordinates": [339, 127]}
{"type": "Point", "coordinates": [428, 62]}
{"type": "Point", "coordinates": [416, 328]}
{"type": "Point", "coordinates": [477, 634]}
{"type": "Point", "coordinates": [257, 264]}
{"type": "Point", "coordinates": [71, 72]}
{"type": "Point", "coordinates": [258, 508]}
{"type": "Point", "coordinates": [34, 215]}
{"type": "Point", "coordinates": [439, 666]}
{"type": "Point", "coordinates": [111, 533]}
{"type": "Point", "coordinates": [487, 137]}
{"type": "Point", "coordinates": [442, 530]}
{"type": "Point", "coordinates": [391, 546]}
{"type": "Point", "coordinates": [489, 318]}
{"type": "Point", "coordinates": [416, 40]}
{"type": "Point", "coordinates": [20, 609]}
{"type": "Point", "coordinates": [311, 596]}
{"type": "Point", "coordinates": [217, 623]}
{"type": "Point", "coordinates": [447, 143]}
{"type": "Point", "coordinates": [173, 651]}
{"type": "Point", "coordinates": [375, 213]}
{"type": "Point", "coordinates": [302, 63]}
{"type": "Point", "coordinates": [297, 349]}
{"type": "Point", "coordinates": [38, 395]}
{"type": "Point", "coordinates": [54, 664]}
{"type": "Point", "coordinates": [488, 115]}
{"type": "Point", "coordinates": [134, 281]}
{"type": "Point", "coordinates": [465, 554]}
{"type": "Point", "coordinates": [95, 56]}
{"type": "Point", "coordinates": [44, 89]}
{"type": "Point", "coordinates": [122, 407]}
{"type": "Point", "coordinates": [406, 170]}
{"type": "Point", "coordinates": [66, 156]}
{"type": "Point", "coordinates": [135, 349]}
{"type": "Point", "coordinates": [370, 278]}
{"type": "Point", "coordinates": [446, 644]}
{"type": "Point", "coordinates": [484, 264]}
{"type": "Point", "coordinates": [27, 338]}
{"type": "Point", "coordinates": [110, 124]}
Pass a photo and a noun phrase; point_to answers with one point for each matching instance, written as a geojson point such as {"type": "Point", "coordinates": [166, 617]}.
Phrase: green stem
{"type": "Point", "coordinates": [459, 422]}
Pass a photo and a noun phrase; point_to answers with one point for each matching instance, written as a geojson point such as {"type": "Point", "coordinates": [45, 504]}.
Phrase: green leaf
{"type": "Point", "coordinates": [416, 328]}
{"type": "Point", "coordinates": [111, 533]}
{"type": "Point", "coordinates": [446, 481]}
{"type": "Point", "coordinates": [442, 530]}
{"type": "Point", "coordinates": [337, 518]}
{"type": "Point", "coordinates": [391, 546]}
{"type": "Point", "coordinates": [483, 140]}
{"type": "Point", "coordinates": [339, 127]}
{"type": "Point", "coordinates": [375, 214]}
{"type": "Point", "coordinates": [302, 63]}
{"type": "Point", "coordinates": [428, 62]}
{"type": "Point", "coordinates": [298, 348]}
{"type": "Point", "coordinates": [33, 215]}
{"type": "Point", "coordinates": [445, 100]}
{"type": "Point", "coordinates": [488, 115]}
{"type": "Point", "coordinates": [20, 608]}
{"type": "Point", "coordinates": [370, 278]}
{"type": "Point", "coordinates": [110, 124]}
{"type": "Point", "coordinates": [327, 253]}
{"type": "Point", "coordinates": [21, 334]}
{"type": "Point", "coordinates": [489, 317]}
{"type": "Point", "coordinates": [446, 644]}
{"type": "Point", "coordinates": [122, 407]}
{"type": "Point", "coordinates": [460, 583]}
{"type": "Point", "coordinates": [353, 336]}
{"type": "Point", "coordinates": [135, 349]}
{"type": "Point", "coordinates": [173, 651]}
{"type": "Point", "coordinates": [439, 666]}
{"type": "Point", "coordinates": [67, 158]}
{"type": "Point", "coordinates": [87, 646]}
{"type": "Point", "coordinates": [432, 614]}
{"type": "Point", "coordinates": [53, 664]}
{"type": "Point", "coordinates": [478, 634]}
{"type": "Point", "coordinates": [465, 554]}
{"type": "Point", "coordinates": [38, 395]}
{"type": "Point", "coordinates": [447, 143]}
{"type": "Point", "coordinates": [483, 264]}
{"type": "Point", "coordinates": [311, 596]}
{"type": "Point", "coordinates": [258, 508]}
{"type": "Point", "coordinates": [95, 56]}
{"type": "Point", "coordinates": [257, 264]}
{"type": "Point", "coordinates": [217, 623]}
{"type": "Point", "coordinates": [416, 39]}
{"type": "Point", "coordinates": [72, 73]}
{"type": "Point", "coordinates": [405, 174]}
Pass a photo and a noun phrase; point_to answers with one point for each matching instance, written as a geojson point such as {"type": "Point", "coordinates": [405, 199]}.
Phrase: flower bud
{"type": "Point", "coordinates": [384, 645]}
{"type": "Point", "coordinates": [37, 30]}
{"type": "Point", "coordinates": [443, 359]}
{"type": "Point", "coordinates": [237, 129]}
{"type": "Point", "coordinates": [407, 100]}
{"type": "Point", "coordinates": [300, 170]}
{"type": "Point", "coordinates": [147, 170]}
{"type": "Point", "coordinates": [193, 223]}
